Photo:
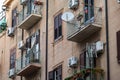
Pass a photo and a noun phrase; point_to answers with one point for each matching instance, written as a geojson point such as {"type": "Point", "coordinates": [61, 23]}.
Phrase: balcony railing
{"type": "Point", "coordinates": [30, 63]}
{"type": "Point", "coordinates": [80, 28]}
{"type": "Point", "coordinates": [88, 73]}
{"type": "Point", "coordinates": [29, 16]}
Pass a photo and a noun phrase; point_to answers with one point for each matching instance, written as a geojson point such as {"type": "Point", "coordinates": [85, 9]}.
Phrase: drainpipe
{"type": "Point", "coordinates": [22, 39]}
{"type": "Point", "coordinates": [22, 52]}
{"type": "Point", "coordinates": [107, 40]}
{"type": "Point", "coordinates": [46, 57]}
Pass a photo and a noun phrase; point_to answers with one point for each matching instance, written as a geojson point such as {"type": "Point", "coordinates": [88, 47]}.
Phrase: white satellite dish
{"type": "Point", "coordinates": [67, 16]}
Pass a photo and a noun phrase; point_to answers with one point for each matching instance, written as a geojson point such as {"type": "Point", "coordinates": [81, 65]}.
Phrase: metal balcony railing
{"type": "Point", "coordinates": [83, 23]}
{"type": "Point", "coordinates": [25, 13]}
{"type": "Point", "coordinates": [32, 56]}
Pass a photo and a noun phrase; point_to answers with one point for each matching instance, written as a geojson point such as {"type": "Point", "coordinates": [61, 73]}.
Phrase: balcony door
{"type": "Point", "coordinates": [89, 10]}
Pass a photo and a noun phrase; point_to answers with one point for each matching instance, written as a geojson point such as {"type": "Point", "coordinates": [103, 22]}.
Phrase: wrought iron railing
{"type": "Point", "coordinates": [32, 56]}
{"type": "Point", "coordinates": [27, 11]}
{"type": "Point", "coordinates": [80, 21]}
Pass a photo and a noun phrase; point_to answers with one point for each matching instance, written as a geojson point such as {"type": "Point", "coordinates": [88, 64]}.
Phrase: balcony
{"type": "Point", "coordinates": [89, 73]}
{"type": "Point", "coordinates": [28, 18]}
{"type": "Point", "coordinates": [79, 29]}
{"type": "Point", "coordinates": [30, 63]}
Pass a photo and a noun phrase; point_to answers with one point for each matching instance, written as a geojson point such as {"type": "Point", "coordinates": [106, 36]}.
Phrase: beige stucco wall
{"type": "Point", "coordinates": [114, 26]}
{"type": "Point", "coordinates": [7, 43]}
{"type": "Point", "coordinates": [61, 50]}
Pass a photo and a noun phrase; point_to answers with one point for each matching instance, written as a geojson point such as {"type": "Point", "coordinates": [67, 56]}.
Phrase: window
{"type": "Point", "coordinates": [89, 9]}
{"type": "Point", "coordinates": [86, 60]}
{"type": "Point", "coordinates": [29, 6]}
{"type": "Point", "coordinates": [83, 60]}
{"type": "Point", "coordinates": [57, 26]}
{"type": "Point", "coordinates": [56, 74]}
{"type": "Point", "coordinates": [28, 42]}
{"type": "Point", "coordinates": [33, 39]}
{"type": "Point", "coordinates": [12, 58]}
{"type": "Point", "coordinates": [118, 46]}
{"type": "Point", "coordinates": [14, 17]}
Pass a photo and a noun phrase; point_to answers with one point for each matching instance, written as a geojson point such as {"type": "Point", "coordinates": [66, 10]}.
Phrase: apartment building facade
{"type": "Point", "coordinates": [114, 38]}
{"type": "Point", "coordinates": [74, 40]}
{"type": "Point", "coordinates": [77, 47]}
{"type": "Point", "coordinates": [23, 40]}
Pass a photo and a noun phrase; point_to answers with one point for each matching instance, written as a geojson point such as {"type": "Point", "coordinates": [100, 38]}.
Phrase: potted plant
{"type": "Point", "coordinates": [37, 2]}
{"type": "Point", "coordinates": [79, 17]}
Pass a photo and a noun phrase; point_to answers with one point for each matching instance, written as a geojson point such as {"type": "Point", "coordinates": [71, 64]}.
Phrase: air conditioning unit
{"type": "Point", "coordinates": [10, 32]}
{"type": "Point", "coordinates": [72, 62]}
{"type": "Point", "coordinates": [99, 46]}
{"type": "Point", "coordinates": [21, 45]}
{"type": "Point", "coordinates": [23, 2]}
{"type": "Point", "coordinates": [11, 73]}
{"type": "Point", "coordinates": [73, 4]}
{"type": "Point", "coordinates": [118, 1]}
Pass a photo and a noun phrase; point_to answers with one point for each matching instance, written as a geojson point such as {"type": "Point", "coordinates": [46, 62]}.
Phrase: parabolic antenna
{"type": "Point", "coordinates": [67, 16]}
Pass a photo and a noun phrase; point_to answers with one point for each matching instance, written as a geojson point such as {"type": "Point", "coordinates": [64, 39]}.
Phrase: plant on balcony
{"type": "Point", "coordinates": [79, 17]}
{"type": "Point", "coordinates": [84, 73]}
{"type": "Point", "coordinates": [36, 2]}
{"type": "Point", "coordinates": [3, 26]}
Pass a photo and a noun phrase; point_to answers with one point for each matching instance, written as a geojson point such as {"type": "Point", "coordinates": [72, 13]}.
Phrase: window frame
{"type": "Point", "coordinates": [83, 66]}
{"type": "Point", "coordinates": [14, 17]}
{"type": "Point", "coordinates": [57, 70]}
{"type": "Point", "coordinates": [118, 45]}
{"type": "Point", "coordinates": [58, 26]}
{"type": "Point", "coordinates": [12, 56]}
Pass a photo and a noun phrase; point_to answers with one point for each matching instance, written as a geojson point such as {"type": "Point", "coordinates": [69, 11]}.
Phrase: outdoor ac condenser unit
{"type": "Point", "coordinates": [72, 61]}
{"type": "Point", "coordinates": [23, 2]}
{"type": "Point", "coordinates": [20, 45]}
{"type": "Point", "coordinates": [73, 4]}
{"type": "Point", "coordinates": [10, 32]}
{"type": "Point", "coordinates": [118, 1]}
{"type": "Point", "coordinates": [99, 46]}
{"type": "Point", "coordinates": [11, 72]}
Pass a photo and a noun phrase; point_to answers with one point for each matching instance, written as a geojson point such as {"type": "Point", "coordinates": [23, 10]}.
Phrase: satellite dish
{"type": "Point", "coordinates": [67, 16]}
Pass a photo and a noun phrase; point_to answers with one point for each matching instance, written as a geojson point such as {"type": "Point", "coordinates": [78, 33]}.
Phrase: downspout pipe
{"type": "Point", "coordinates": [107, 40]}
{"type": "Point", "coordinates": [22, 39]}
{"type": "Point", "coordinates": [46, 56]}
{"type": "Point", "coordinates": [22, 51]}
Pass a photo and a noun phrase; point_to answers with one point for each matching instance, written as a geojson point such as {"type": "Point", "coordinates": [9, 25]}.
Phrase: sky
{"type": "Point", "coordinates": [1, 2]}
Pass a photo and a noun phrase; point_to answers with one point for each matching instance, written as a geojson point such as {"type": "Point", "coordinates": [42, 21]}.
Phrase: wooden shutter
{"type": "Point", "coordinates": [118, 46]}
{"type": "Point", "coordinates": [60, 25]}
{"type": "Point", "coordinates": [82, 60]}
{"type": "Point", "coordinates": [56, 27]}
{"type": "Point", "coordinates": [51, 75]}
{"type": "Point", "coordinates": [14, 17]}
{"type": "Point", "coordinates": [29, 7]}
{"type": "Point", "coordinates": [59, 69]}
{"type": "Point", "coordinates": [12, 58]}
